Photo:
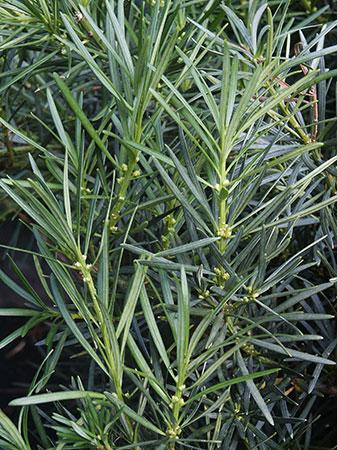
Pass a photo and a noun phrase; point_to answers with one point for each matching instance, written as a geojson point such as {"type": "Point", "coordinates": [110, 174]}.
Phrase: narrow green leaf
{"type": "Point", "coordinates": [302, 356]}
{"type": "Point", "coordinates": [224, 384]}
{"type": "Point", "coordinates": [131, 302]}
{"type": "Point", "coordinates": [254, 390]}
{"type": "Point", "coordinates": [183, 330]}
{"type": "Point", "coordinates": [153, 327]}
{"type": "Point", "coordinates": [55, 397]}
{"type": "Point", "coordinates": [187, 247]}
{"type": "Point", "coordinates": [82, 117]}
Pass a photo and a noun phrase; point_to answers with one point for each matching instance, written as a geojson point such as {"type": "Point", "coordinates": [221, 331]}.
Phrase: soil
{"type": "Point", "coordinates": [18, 360]}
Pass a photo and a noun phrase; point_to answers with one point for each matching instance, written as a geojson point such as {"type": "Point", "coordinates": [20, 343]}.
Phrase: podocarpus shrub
{"type": "Point", "coordinates": [181, 193]}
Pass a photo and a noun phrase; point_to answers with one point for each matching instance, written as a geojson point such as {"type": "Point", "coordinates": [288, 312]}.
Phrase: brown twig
{"type": "Point", "coordinates": [312, 93]}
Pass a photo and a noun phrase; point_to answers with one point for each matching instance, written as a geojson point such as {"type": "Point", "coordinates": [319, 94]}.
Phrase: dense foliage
{"type": "Point", "coordinates": [175, 163]}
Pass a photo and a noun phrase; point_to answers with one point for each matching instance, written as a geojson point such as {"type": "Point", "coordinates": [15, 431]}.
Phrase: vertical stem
{"type": "Point", "coordinates": [122, 192]}
{"type": "Point", "coordinates": [93, 294]}
{"type": "Point", "coordinates": [223, 228]}
{"type": "Point", "coordinates": [106, 351]}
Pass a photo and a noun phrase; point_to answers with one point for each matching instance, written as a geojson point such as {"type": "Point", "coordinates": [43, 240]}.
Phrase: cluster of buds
{"type": "Point", "coordinates": [165, 241]}
{"type": "Point", "coordinates": [228, 309]}
{"type": "Point", "coordinates": [249, 349]}
{"type": "Point", "coordinates": [181, 36]}
{"type": "Point", "coordinates": [113, 220]}
{"type": "Point", "coordinates": [175, 400]}
{"type": "Point", "coordinates": [154, 2]}
{"type": "Point", "coordinates": [204, 295]}
{"type": "Point", "coordinates": [124, 168]}
{"type": "Point", "coordinates": [251, 295]}
{"type": "Point", "coordinates": [221, 276]}
{"type": "Point", "coordinates": [223, 185]}
{"type": "Point", "coordinates": [84, 266]}
{"type": "Point", "coordinates": [85, 190]}
{"type": "Point", "coordinates": [237, 411]}
{"type": "Point", "coordinates": [136, 173]}
{"type": "Point", "coordinates": [170, 222]}
{"type": "Point", "coordinates": [173, 432]}
{"type": "Point", "coordinates": [225, 231]}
